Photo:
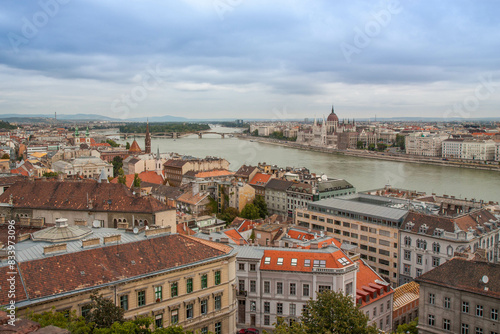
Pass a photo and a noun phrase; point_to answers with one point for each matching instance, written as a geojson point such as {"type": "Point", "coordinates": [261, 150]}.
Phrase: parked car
{"type": "Point", "coordinates": [248, 331]}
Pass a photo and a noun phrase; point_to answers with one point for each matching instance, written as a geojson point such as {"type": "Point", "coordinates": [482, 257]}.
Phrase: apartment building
{"type": "Point", "coordinates": [469, 149]}
{"type": "Point", "coordinates": [428, 241]}
{"type": "Point", "coordinates": [151, 275]}
{"type": "Point", "coordinates": [276, 196]}
{"type": "Point", "coordinates": [87, 167]}
{"type": "Point", "coordinates": [299, 195]}
{"type": "Point", "coordinates": [460, 296]}
{"type": "Point", "coordinates": [274, 282]}
{"type": "Point", "coordinates": [368, 222]}
{"type": "Point", "coordinates": [424, 144]}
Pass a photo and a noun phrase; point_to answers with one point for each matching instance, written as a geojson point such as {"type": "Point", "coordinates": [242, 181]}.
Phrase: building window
{"type": "Point", "coordinates": [279, 308]}
{"type": "Point", "coordinates": [174, 316]}
{"type": "Point", "coordinates": [436, 247]}
{"type": "Point", "coordinates": [204, 330]}
{"type": "Point", "coordinates": [432, 298]}
{"type": "Point", "coordinates": [203, 306]}
{"type": "Point", "coordinates": [465, 329]}
{"type": "Point", "coordinates": [158, 293]}
{"type": "Point", "coordinates": [204, 281]}
{"type": "Point", "coordinates": [307, 263]}
{"type": "Point", "coordinates": [292, 309]}
{"type": "Point", "coordinates": [465, 307]}
{"type": "Point", "coordinates": [322, 288]}
{"type": "Point", "coordinates": [431, 320]}
{"type": "Point", "coordinates": [173, 289]}
{"type": "Point", "coordinates": [279, 288]}
{"type": "Point", "coordinates": [494, 314]}
{"type": "Point", "coordinates": [218, 328]}
{"type": "Point", "coordinates": [189, 285]}
{"type": "Point", "coordinates": [374, 312]}
{"type": "Point", "coordinates": [348, 288]}
{"type": "Point", "coordinates": [124, 302]}
{"type": "Point", "coordinates": [267, 320]}
{"type": "Point", "coordinates": [479, 310]}
{"type": "Point", "coordinates": [447, 302]}
{"type": "Point", "coordinates": [479, 330]}
{"type": "Point", "coordinates": [252, 267]}
{"type": "Point", "coordinates": [189, 311]}
{"type": "Point", "coordinates": [407, 255]}
{"type": "Point", "coordinates": [267, 287]}
{"type": "Point", "coordinates": [141, 298]}
{"type": "Point", "coordinates": [305, 290]}
{"type": "Point", "coordinates": [217, 277]}
{"type": "Point", "coordinates": [217, 302]}
{"type": "Point", "coordinates": [418, 272]}
{"type": "Point", "coordinates": [435, 261]}
{"type": "Point", "coordinates": [267, 307]}
{"type": "Point", "coordinates": [407, 240]}
{"type": "Point", "coordinates": [253, 286]}
{"type": "Point", "coordinates": [419, 259]}
{"type": "Point", "coordinates": [159, 321]}
{"type": "Point", "coordinates": [241, 285]}
{"type": "Point", "coordinates": [85, 310]}
{"type": "Point", "coordinates": [253, 306]}
{"type": "Point", "coordinates": [407, 269]}
{"type": "Point", "coordinates": [293, 289]}
{"type": "Point", "coordinates": [241, 266]}
{"type": "Point", "coordinates": [446, 324]}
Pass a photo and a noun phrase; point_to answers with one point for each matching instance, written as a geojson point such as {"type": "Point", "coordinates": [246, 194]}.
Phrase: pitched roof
{"type": "Point", "coordinates": [134, 148]}
{"type": "Point", "coordinates": [175, 163]}
{"type": "Point", "coordinates": [405, 294]}
{"type": "Point", "coordinates": [96, 267]}
{"type": "Point", "coordinates": [331, 260]}
{"type": "Point", "coordinates": [235, 236]}
{"type": "Point", "coordinates": [213, 173]}
{"type": "Point", "coordinates": [465, 275]}
{"type": "Point", "coordinates": [245, 171]}
{"type": "Point", "coordinates": [57, 195]}
{"type": "Point", "coordinates": [278, 185]}
{"type": "Point", "coordinates": [260, 179]}
{"type": "Point", "coordinates": [190, 198]}
{"type": "Point", "coordinates": [369, 282]}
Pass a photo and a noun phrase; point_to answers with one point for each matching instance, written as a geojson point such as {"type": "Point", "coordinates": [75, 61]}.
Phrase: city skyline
{"type": "Point", "coordinates": [241, 59]}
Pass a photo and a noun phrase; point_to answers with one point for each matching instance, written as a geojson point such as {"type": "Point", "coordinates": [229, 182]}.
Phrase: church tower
{"type": "Point", "coordinates": [148, 140]}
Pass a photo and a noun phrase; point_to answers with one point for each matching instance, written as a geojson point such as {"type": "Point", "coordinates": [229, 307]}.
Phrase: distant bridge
{"type": "Point", "coordinates": [221, 134]}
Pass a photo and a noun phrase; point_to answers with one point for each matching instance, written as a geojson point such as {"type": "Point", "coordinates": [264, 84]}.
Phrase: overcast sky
{"type": "Point", "coordinates": [250, 58]}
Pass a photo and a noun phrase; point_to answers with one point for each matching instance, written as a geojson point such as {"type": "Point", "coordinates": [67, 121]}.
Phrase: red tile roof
{"type": "Point", "coordinates": [87, 196]}
{"type": "Point", "coordinates": [98, 266]}
{"type": "Point", "coordinates": [331, 260]}
{"type": "Point", "coordinates": [260, 179]}
{"type": "Point", "coordinates": [368, 283]}
{"type": "Point", "coordinates": [214, 173]}
{"type": "Point", "coordinates": [236, 237]}
{"type": "Point", "coordinates": [149, 177]}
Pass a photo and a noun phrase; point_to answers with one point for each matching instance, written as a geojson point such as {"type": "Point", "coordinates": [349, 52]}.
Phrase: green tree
{"type": "Point", "coordinates": [371, 147]}
{"type": "Point", "coordinates": [282, 327]}
{"type": "Point", "coordinates": [381, 147]}
{"type": "Point", "coordinates": [360, 145]}
{"type": "Point", "coordinates": [260, 203]}
{"type": "Point", "coordinates": [250, 211]}
{"type": "Point", "coordinates": [228, 215]}
{"type": "Point", "coordinates": [408, 328]}
{"type": "Point", "coordinates": [127, 146]}
{"type": "Point", "coordinates": [112, 143]}
{"type": "Point", "coordinates": [5, 156]}
{"type": "Point", "coordinates": [400, 142]}
{"type": "Point", "coordinates": [69, 321]}
{"type": "Point", "coordinates": [103, 312]}
{"type": "Point", "coordinates": [117, 163]}
{"type": "Point", "coordinates": [50, 174]}
{"type": "Point", "coordinates": [137, 181]}
{"type": "Point", "coordinates": [212, 205]}
{"type": "Point", "coordinates": [335, 312]}
{"type": "Point", "coordinates": [255, 133]}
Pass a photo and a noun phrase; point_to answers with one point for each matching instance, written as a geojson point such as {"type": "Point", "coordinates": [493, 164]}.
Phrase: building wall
{"type": "Point", "coordinates": [454, 313]}
{"type": "Point", "coordinates": [378, 245]}
{"type": "Point", "coordinates": [167, 304]}
{"type": "Point", "coordinates": [276, 202]}
{"type": "Point", "coordinates": [380, 312]}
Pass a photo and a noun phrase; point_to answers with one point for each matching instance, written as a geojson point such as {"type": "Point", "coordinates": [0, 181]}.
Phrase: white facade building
{"type": "Point", "coordinates": [469, 149]}
{"type": "Point", "coordinates": [85, 166]}
{"type": "Point", "coordinates": [424, 144]}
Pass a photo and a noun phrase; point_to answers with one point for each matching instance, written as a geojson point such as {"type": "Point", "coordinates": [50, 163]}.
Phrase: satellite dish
{"type": "Point", "coordinates": [135, 230]}
{"type": "Point", "coordinates": [96, 224]}
{"type": "Point", "coordinates": [485, 279]}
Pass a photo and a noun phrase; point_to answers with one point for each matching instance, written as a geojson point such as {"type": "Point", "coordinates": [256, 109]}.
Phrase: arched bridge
{"type": "Point", "coordinates": [221, 134]}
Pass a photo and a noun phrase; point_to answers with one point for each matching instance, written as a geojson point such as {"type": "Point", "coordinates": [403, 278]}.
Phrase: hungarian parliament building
{"type": "Point", "coordinates": [332, 133]}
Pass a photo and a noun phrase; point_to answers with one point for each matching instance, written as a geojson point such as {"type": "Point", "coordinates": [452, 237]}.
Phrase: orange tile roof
{"type": "Point", "coordinates": [366, 284]}
{"type": "Point", "coordinates": [190, 198]}
{"type": "Point", "coordinates": [331, 260]}
{"type": "Point", "coordinates": [214, 173]}
{"type": "Point", "coordinates": [260, 179]}
{"type": "Point", "coordinates": [184, 230]}
{"type": "Point", "coordinates": [149, 176]}
{"type": "Point", "coordinates": [236, 237]}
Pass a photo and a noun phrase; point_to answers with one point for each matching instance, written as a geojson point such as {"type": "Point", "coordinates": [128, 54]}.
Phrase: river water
{"type": "Point", "coordinates": [364, 174]}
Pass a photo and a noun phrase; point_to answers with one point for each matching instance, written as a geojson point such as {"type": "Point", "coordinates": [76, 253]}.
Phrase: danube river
{"type": "Point", "coordinates": [364, 174]}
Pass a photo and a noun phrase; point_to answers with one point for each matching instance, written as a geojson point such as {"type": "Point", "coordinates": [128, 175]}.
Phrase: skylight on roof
{"type": "Point", "coordinates": [307, 263]}
{"type": "Point", "coordinates": [280, 261]}
{"type": "Point", "coordinates": [343, 261]}
{"type": "Point", "coordinates": [267, 260]}
{"type": "Point", "coordinates": [294, 262]}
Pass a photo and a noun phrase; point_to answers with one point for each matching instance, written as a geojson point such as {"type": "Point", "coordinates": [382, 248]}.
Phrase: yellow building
{"type": "Point", "coordinates": [173, 278]}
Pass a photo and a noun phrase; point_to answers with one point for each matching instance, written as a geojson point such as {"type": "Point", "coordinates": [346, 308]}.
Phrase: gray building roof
{"type": "Point", "coordinates": [279, 185]}
{"type": "Point", "coordinates": [365, 205]}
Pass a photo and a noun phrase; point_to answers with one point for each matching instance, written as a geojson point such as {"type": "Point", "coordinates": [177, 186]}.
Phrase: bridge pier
{"type": "Point", "coordinates": [222, 135]}
{"type": "Point", "coordinates": [175, 135]}
{"type": "Point", "coordinates": [200, 135]}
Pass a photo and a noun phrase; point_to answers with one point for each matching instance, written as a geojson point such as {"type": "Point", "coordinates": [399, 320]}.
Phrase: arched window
{"type": "Point", "coordinates": [449, 250]}
{"type": "Point", "coordinates": [436, 247]}
{"type": "Point", "coordinates": [145, 222]}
